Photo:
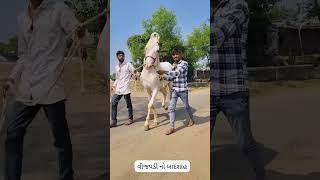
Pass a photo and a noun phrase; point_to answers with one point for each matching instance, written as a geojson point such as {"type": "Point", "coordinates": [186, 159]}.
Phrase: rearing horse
{"type": "Point", "coordinates": [150, 78]}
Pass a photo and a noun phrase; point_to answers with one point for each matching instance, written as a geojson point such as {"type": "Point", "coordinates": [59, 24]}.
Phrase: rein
{"type": "Point", "coordinates": [154, 59]}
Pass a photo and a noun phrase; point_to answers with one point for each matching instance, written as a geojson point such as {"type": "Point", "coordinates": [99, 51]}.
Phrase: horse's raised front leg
{"type": "Point", "coordinates": [155, 121]}
{"type": "Point", "coordinates": [151, 105]}
{"type": "Point", "coordinates": [146, 124]}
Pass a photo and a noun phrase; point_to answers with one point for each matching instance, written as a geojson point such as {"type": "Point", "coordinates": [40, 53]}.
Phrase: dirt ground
{"type": "Point", "coordinates": [131, 143]}
{"type": "Point", "coordinates": [87, 118]}
{"type": "Point", "coordinates": [286, 124]}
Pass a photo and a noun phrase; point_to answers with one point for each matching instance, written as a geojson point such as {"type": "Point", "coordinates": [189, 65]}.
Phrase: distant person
{"type": "Point", "coordinates": [179, 88]}
{"type": "Point", "coordinates": [121, 87]}
{"type": "Point", "coordinates": [42, 35]}
{"type": "Point", "coordinates": [229, 76]}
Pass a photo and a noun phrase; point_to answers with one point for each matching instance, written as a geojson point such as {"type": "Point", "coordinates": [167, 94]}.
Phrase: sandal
{"type": "Point", "coordinates": [169, 131]}
{"type": "Point", "coordinates": [129, 122]}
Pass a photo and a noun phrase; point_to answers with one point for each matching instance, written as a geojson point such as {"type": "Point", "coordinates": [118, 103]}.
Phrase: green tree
{"type": "Point", "coordinates": [87, 9]}
{"type": "Point", "coordinates": [278, 13]}
{"type": "Point", "coordinates": [163, 22]}
{"type": "Point", "coordinates": [198, 44]}
{"type": "Point", "coordinates": [9, 48]}
{"type": "Point", "coordinates": [136, 44]}
{"type": "Point", "coordinates": [113, 76]}
{"type": "Point", "coordinates": [314, 10]}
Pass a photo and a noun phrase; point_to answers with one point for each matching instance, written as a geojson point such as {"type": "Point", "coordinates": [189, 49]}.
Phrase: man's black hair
{"type": "Point", "coordinates": [176, 50]}
{"type": "Point", "coordinates": [120, 52]}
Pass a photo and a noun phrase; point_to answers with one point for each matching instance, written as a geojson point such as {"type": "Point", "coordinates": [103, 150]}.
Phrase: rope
{"type": "Point", "coordinates": [73, 49]}
{"type": "Point", "coordinates": [139, 67]}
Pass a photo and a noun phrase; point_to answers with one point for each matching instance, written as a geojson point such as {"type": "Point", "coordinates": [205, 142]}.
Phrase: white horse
{"type": "Point", "coordinates": [151, 79]}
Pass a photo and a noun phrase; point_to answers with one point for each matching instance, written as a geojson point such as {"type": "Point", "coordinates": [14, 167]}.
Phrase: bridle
{"type": "Point", "coordinates": [153, 58]}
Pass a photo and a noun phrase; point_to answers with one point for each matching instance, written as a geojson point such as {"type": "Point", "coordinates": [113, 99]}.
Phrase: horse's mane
{"type": "Point", "coordinates": [153, 41]}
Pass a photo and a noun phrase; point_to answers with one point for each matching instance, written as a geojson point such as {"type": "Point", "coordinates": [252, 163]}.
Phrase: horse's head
{"type": "Point", "coordinates": [152, 51]}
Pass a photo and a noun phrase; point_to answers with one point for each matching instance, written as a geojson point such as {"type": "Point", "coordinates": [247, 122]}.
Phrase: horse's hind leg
{"type": "Point", "coordinates": [165, 92]}
{"type": "Point", "coordinates": [151, 104]}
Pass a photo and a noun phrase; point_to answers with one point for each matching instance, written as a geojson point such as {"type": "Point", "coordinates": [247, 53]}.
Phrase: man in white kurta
{"type": "Point", "coordinates": [43, 28]}
{"type": "Point", "coordinates": [121, 87]}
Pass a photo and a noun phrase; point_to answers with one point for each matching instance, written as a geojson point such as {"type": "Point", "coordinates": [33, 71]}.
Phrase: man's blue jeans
{"type": "Point", "coordinates": [19, 118]}
{"type": "Point", "coordinates": [236, 109]}
{"type": "Point", "coordinates": [174, 95]}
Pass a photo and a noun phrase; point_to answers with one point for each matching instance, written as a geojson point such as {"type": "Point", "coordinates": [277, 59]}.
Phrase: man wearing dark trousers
{"type": "Point", "coordinates": [229, 76]}
{"type": "Point", "coordinates": [43, 28]}
{"type": "Point", "coordinates": [121, 87]}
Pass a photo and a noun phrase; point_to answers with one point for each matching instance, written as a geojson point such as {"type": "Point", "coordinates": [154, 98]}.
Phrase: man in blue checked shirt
{"type": "Point", "coordinates": [179, 88]}
{"type": "Point", "coordinates": [229, 76]}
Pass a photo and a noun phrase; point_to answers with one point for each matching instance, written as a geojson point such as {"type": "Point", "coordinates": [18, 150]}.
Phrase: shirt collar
{"type": "Point", "coordinates": [124, 63]}
{"type": "Point", "coordinates": [43, 5]}
{"type": "Point", "coordinates": [179, 61]}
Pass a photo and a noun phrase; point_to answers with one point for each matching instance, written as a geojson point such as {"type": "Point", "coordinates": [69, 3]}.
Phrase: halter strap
{"type": "Point", "coordinates": [154, 59]}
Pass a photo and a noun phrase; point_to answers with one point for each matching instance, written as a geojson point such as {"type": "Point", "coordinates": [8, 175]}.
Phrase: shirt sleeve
{"type": "Point", "coordinates": [225, 27]}
{"type": "Point", "coordinates": [22, 54]}
{"type": "Point", "coordinates": [179, 70]}
{"type": "Point", "coordinates": [68, 20]}
{"type": "Point", "coordinates": [131, 68]}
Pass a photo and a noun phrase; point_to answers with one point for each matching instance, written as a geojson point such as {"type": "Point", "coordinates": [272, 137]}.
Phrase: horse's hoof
{"type": "Point", "coordinates": [155, 124]}
{"type": "Point", "coordinates": [165, 107]}
{"type": "Point", "coordinates": [146, 128]}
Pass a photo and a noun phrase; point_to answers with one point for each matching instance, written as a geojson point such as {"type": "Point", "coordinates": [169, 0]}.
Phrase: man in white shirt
{"type": "Point", "coordinates": [43, 28]}
{"type": "Point", "coordinates": [121, 87]}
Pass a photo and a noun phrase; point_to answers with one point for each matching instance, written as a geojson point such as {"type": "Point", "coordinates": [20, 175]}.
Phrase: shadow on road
{"type": "Point", "coordinates": [90, 140]}
{"type": "Point", "coordinates": [228, 163]}
{"type": "Point", "coordinates": [102, 176]}
{"type": "Point", "coordinates": [180, 115]}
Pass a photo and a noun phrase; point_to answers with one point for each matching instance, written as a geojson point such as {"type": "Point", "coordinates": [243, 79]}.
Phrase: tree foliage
{"type": "Point", "coordinates": [85, 9]}
{"type": "Point", "coordinates": [164, 22]}
{"type": "Point", "coordinates": [314, 10]}
{"type": "Point", "coordinates": [198, 43]}
{"type": "Point", "coordinates": [10, 47]}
